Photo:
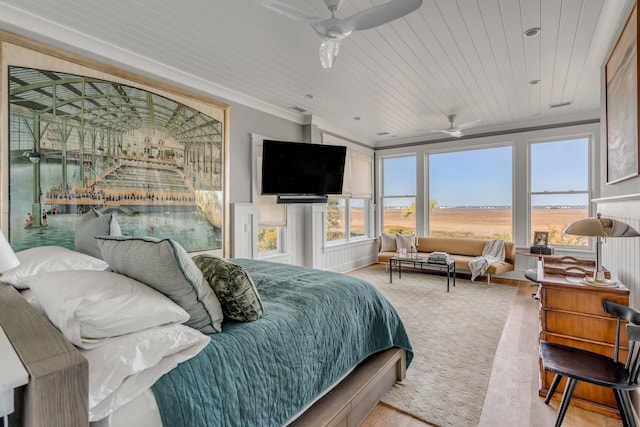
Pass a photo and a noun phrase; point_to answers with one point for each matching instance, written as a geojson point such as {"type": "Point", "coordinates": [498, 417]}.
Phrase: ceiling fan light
{"type": "Point", "coordinates": [328, 51]}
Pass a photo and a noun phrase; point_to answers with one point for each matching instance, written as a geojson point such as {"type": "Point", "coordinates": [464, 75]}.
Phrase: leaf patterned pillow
{"type": "Point", "coordinates": [233, 286]}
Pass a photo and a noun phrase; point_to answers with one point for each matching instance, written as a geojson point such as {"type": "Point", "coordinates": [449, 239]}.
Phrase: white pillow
{"type": "Point", "coordinates": [45, 259]}
{"type": "Point", "coordinates": [90, 306]}
{"type": "Point", "coordinates": [124, 367]}
{"type": "Point", "coordinates": [406, 242]}
{"type": "Point", "coordinates": [388, 243]}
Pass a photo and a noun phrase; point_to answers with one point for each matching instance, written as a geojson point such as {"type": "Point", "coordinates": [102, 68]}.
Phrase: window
{"type": "Point", "coordinates": [272, 217]}
{"type": "Point", "coordinates": [358, 218]}
{"type": "Point", "coordinates": [399, 195]}
{"type": "Point", "coordinates": [559, 188]}
{"type": "Point", "coordinates": [336, 220]}
{"type": "Point", "coordinates": [470, 194]}
{"type": "Point", "coordinates": [341, 226]}
{"type": "Point", "coordinates": [347, 215]}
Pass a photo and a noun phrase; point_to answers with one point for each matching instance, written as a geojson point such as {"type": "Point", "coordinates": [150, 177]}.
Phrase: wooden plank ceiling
{"type": "Point", "coordinates": [467, 57]}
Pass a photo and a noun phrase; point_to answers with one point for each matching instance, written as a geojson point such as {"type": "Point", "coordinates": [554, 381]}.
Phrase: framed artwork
{"type": "Point", "coordinates": [540, 238]}
{"type": "Point", "coordinates": [80, 139]}
{"type": "Point", "coordinates": [621, 85]}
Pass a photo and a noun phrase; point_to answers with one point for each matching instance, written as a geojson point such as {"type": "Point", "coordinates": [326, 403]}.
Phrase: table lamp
{"type": "Point", "coordinates": [600, 228]}
{"type": "Point", "coordinates": [8, 258]}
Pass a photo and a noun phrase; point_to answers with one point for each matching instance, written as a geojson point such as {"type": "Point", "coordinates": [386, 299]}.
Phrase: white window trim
{"type": "Point", "coordinates": [591, 185]}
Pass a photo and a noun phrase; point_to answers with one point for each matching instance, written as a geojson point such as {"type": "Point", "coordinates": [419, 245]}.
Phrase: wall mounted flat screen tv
{"type": "Point", "coordinates": [294, 168]}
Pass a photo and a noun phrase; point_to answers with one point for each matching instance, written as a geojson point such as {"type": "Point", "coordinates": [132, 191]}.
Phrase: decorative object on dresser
{"type": "Point", "coordinates": [599, 228]}
{"type": "Point", "coordinates": [580, 365]}
{"type": "Point", "coordinates": [572, 314]}
{"type": "Point", "coordinates": [540, 238]}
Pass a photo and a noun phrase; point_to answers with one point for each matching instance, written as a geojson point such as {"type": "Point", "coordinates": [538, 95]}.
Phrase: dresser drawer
{"type": "Point", "coordinates": [583, 300]}
{"type": "Point", "coordinates": [593, 328]}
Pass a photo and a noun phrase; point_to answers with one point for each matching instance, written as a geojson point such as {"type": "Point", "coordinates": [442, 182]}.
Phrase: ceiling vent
{"type": "Point", "coordinates": [298, 109]}
{"type": "Point", "coordinates": [382, 133]}
{"type": "Point", "coordinates": [562, 104]}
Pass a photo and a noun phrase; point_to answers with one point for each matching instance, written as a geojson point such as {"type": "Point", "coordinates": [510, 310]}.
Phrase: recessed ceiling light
{"type": "Point", "coordinates": [534, 82]}
{"type": "Point", "coordinates": [532, 32]}
{"type": "Point", "coordinates": [356, 118]}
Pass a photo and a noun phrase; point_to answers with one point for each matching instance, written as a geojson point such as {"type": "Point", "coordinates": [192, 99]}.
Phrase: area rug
{"type": "Point", "coordinates": [454, 337]}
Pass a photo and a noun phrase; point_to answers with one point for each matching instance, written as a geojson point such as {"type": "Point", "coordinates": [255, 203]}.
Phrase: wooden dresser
{"type": "Point", "coordinates": [572, 314]}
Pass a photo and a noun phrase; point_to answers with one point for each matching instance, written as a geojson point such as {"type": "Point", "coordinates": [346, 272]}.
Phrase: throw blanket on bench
{"type": "Point", "coordinates": [492, 252]}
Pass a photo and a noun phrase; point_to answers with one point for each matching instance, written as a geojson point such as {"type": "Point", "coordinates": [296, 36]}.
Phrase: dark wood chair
{"type": "Point", "coordinates": [581, 365]}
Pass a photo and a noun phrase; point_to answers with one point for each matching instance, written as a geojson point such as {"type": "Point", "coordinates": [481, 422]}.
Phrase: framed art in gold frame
{"type": "Point", "coordinates": [83, 135]}
{"type": "Point", "coordinates": [621, 86]}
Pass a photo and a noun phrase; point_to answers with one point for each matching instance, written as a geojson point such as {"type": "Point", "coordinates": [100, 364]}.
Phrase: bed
{"type": "Point", "coordinates": [324, 351]}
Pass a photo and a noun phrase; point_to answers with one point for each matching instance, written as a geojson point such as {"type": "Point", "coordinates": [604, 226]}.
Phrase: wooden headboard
{"type": "Point", "coordinates": [52, 362]}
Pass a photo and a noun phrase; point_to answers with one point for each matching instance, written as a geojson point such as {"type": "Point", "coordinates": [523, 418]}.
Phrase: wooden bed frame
{"type": "Point", "coordinates": [58, 388]}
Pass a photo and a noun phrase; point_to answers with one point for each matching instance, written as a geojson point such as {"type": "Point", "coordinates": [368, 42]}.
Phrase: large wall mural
{"type": "Point", "coordinates": [78, 143]}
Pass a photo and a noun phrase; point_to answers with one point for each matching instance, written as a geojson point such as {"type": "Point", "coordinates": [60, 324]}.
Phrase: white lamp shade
{"type": "Point", "coordinates": [8, 258]}
{"type": "Point", "coordinates": [603, 227]}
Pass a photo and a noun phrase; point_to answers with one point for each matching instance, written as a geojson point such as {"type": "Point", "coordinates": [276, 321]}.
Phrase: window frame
{"type": "Point", "coordinates": [469, 148]}
{"type": "Point", "coordinates": [282, 249]}
{"type": "Point", "coordinates": [383, 197]}
{"type": "Point", "coordinates": [589, 192]}
{"type": "Point", "coordinates": [346, 229]}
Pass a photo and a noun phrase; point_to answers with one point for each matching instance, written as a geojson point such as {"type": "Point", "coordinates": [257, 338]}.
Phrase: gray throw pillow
{"type": "Point", "coordinates": [165, 266]}
{"type": "Point", "coordinates": [93, 224]}
{"type": "Point", "coordinates": [233, 286]}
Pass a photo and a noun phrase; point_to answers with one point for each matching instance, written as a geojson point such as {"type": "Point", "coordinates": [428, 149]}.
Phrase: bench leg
{"type": "Point", "coordinates": [488, 279]}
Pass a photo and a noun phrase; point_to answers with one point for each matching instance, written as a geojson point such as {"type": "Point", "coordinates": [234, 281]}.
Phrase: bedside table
{"type": "Point", "coordinates": [12, 374]}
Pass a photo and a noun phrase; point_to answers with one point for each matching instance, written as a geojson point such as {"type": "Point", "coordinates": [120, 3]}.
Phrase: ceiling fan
{"type": "Point", "coordinates": [456, 131]}
{"type": "Point", "coordinates": [333, 30]}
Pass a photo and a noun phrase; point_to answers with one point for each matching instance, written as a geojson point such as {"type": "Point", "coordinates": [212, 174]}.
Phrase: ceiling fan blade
{"type": "Point", "coordinates": [287, 10]}
{"type": "Point", "coordinates": [468, 124]}
{"type": "Point", "coordinates": [328, 51]}
{"type": "Point", "coordinates": [381, 14]}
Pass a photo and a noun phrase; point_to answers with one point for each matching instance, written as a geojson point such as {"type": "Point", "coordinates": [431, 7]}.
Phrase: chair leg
{"type": "Point", "coordinates": [625, 407]}
{"type": "Point", "coordinates": [566, 399]}
{"type": "Point", "coordinates": [552, 389]}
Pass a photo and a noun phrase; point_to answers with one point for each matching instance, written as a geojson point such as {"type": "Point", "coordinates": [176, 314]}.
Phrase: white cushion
{"type": "Point", "coordinates": [388, 243]}
{"type": "Point", "coordinates": [126, 366]}
{"type": "Point", "coordinates": [47, 259]}
{"type": "Point", "coordinates": [90, 306]}
{"type": "Point", "coordinates": [406, 242]}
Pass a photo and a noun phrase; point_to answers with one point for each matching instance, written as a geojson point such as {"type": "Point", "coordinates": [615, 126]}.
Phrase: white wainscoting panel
{"type": "Point", "coordinates": [347, 257]}
{"type": "Point", "coordinates": [243, 218]}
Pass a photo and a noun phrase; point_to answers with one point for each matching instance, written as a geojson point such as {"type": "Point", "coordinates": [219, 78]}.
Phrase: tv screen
{"type": "Point", "coordinates": [295, 168]}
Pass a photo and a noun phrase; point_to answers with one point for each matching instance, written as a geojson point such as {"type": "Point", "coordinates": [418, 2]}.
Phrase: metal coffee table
{"type": "Point", "coordinates": [422, 264]}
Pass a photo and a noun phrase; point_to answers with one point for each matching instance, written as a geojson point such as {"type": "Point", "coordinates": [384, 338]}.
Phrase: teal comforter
{"type": "Point", "coordinates": [317, 326]}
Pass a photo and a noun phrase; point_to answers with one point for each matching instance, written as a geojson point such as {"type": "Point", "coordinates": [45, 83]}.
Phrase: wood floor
{"type": "Point", "coordinates": [512, 396]}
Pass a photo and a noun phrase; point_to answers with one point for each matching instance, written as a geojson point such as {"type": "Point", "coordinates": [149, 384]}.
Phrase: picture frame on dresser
{"type": "Point", "coordinates": [86, 135]}
{"type": "Point", "coordinates": [621, 103]}
{"type": "Point", "coordinates": [540, 238]}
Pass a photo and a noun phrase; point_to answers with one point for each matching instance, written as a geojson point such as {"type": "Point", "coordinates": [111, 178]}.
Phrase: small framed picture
{"type": "Point", "coordinates": [540, 238]}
